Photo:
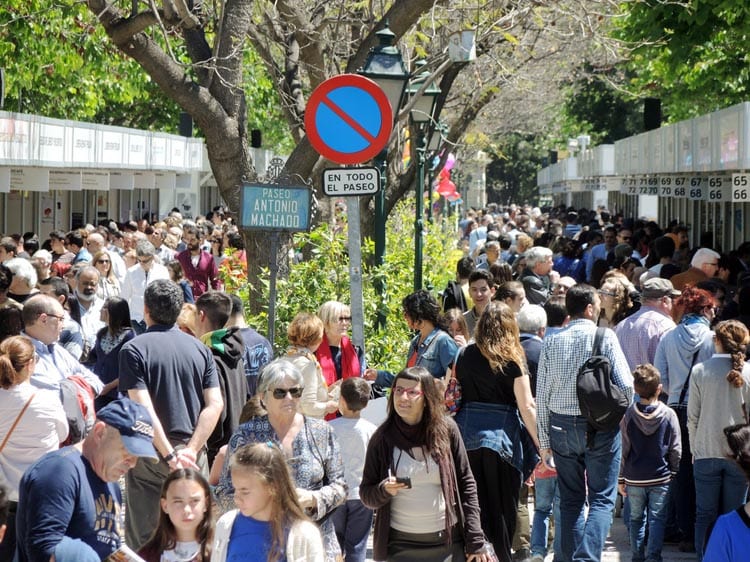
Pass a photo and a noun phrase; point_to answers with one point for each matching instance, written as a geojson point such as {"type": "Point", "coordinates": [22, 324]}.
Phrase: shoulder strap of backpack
{"type": "Point", "coordinates": [597, 349]}
{"type": "Point", "coordinates": [687, 379]}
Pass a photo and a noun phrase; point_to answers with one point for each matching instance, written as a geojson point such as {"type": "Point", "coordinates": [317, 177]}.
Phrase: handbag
{"type": "Point", "coordinates": [15, 423]}
{"type": "Point", "coordinates": [453, 394]}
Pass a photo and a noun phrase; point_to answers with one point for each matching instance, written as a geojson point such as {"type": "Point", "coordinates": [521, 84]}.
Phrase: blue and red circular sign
{"type": "Point", "coordinates": [348, 119]}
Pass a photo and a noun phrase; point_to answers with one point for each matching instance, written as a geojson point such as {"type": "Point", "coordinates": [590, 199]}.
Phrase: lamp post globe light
{"type": "Point", "coordinates": [385, 66]}
{"type": "Point", "coordinates": [422, 118]}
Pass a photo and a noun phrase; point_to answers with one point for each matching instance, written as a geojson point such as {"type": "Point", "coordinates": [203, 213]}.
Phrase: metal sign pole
{"type": "Point", "coordinates": [355, 274]}
{"type": "Point", "coordinates": [274, 271]}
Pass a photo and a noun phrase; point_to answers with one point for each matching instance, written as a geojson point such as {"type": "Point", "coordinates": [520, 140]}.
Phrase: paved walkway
{"type": "Point", "coordinates": [617, 548]}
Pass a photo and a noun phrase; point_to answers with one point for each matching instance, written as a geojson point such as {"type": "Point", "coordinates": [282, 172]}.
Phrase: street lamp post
{"type": "Point", "coordinates": [433, 147]}
{"type": "Point", "coordinates": [385, 66]}
{"type": "Point", "coordinates": [422, 120]}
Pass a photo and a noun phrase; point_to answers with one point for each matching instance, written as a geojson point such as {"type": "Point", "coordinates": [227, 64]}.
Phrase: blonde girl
{"type": "Point", "coordinates": [269, 520]}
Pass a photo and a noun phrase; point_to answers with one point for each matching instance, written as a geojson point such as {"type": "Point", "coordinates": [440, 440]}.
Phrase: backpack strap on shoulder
{"type": "Point", "coordinates": [597, 349]}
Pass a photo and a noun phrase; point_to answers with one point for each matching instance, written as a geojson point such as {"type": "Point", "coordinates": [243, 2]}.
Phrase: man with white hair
{"type": "Point", "coordinates": [24, 279]}
{"type": "Point", "coordinates": [703, 266]}
{"type": "Point", "coordinates": [532, 323]}
{"type": "Point", "coordinates": [90, 305]}
{"type": "Point", "coordinates": [137, 279]}
{"type": "Point", "coordinates": [535, 278]}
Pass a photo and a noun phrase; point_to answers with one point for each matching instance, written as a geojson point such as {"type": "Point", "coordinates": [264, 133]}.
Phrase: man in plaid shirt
{"type": "Point", "coordinates": [582, 471]}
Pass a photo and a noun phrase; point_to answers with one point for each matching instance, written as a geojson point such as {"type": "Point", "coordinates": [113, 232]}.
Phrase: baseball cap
{"type": "Point", "coordinates": [657, 287]}
{"type": "Point", "coordinates": [134, 423]}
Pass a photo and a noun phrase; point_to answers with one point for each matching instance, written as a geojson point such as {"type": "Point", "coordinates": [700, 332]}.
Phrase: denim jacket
{"type": "Point", "coordinates": [498, 427]}
{"type": "Point", "coordinates": [436, 353]}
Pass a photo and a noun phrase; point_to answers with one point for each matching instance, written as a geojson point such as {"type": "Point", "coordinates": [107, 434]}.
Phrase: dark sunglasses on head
{"type": "Point", "coordinates": [280, 393]}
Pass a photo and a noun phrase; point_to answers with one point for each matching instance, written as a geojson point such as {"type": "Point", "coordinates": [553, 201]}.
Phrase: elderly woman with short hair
{"type": "Point", "coordinates": [309, 445]}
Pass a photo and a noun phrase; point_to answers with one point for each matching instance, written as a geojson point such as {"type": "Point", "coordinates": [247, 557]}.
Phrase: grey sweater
{"type": "Point", "coordinates": [714, 404]}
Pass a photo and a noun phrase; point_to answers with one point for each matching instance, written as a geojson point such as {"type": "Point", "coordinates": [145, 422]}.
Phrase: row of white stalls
{"type": "Point", "coordinates": [696, 171]}
{"type": "Point", "coordinates": [59, 174]}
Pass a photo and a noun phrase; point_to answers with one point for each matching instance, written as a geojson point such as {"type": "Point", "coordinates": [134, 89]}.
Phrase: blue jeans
{"type": "Point", "coordinates": [720, 487]}
{"type": "Point", "coordinates": [584, 472]}
{"type": "Point", "coordinates": [353, 522]}
{"type": "Point", "coordinates": [648, 501]}
{"type": "Point", "coordinates": [546, 503]}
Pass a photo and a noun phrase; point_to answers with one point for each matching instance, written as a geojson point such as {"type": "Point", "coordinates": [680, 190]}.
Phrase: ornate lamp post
{"type": "Point", "coordinates": [386, 67]}
{"type": "Point", "coordinates": [422, 120]}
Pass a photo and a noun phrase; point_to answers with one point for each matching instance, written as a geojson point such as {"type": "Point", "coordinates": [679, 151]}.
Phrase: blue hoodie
{"type": "Point", "coordinates": [676, 354]}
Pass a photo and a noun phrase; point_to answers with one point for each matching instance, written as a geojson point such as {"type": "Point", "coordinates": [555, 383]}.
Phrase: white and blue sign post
{"type": "Point", "coordinates": [275, 208]}
{"type": "Point", "coordinates": [348, 120]}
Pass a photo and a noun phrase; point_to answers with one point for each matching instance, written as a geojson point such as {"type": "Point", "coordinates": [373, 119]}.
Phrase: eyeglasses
{"type": "Point", "coordinates": [102, 261]}
{"type": "Point", "coordinates": [411, 393]}
{"type": "Point", "coordinates": [60, 317]}
{"type": "Point", "coordinates": [280, 393]}
{"type": "Point", "coordinates": [607, 293]}
{"type": "Point", "coordinates": [715, 264]}
{"type": "Point", "coordinates": [345, 318]}
{"type": "Point", "coordinates": [145, 260]}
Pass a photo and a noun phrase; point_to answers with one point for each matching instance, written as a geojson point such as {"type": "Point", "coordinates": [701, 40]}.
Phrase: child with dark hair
{"type": "Point", "coordinates": [729, 541]}
{"type": "Point", "coordinates": [651, 449]}
{"type": "Point", "coordinates": [353, 520]}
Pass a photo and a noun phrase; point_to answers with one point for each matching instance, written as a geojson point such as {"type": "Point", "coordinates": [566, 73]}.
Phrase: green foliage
{"type": "Point", "coordinates": [511, 176]}
{"type": "Point", "coordinates": [59, 65]}
{"type": "Point", "coordinates": [325, 276]}
{"type": "Point", "coordinates": [594, 107]}
{"type": "Point", "coordinates": [695, 58]}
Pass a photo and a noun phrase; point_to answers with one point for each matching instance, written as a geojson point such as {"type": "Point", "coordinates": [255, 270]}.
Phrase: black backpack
{"type": "Point", "coordinates": [601, 402]}
{"type": "Point", "coordinates": [453, 297]}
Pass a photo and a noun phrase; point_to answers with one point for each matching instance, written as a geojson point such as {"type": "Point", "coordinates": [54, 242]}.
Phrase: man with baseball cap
{"type": "Point", "coordinates": [69, 500]}
{"type": "Point", "coordinates": [640, 333]}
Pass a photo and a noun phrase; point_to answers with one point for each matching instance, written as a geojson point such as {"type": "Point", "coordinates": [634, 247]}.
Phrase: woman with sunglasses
{"type": "Point", "coordinates": [339, 359]}
{"type": "Point", "coordinates": [617, 303]}
{"type": "Point", "coordinates": [416, 461]}
{"type": "Point", "coordinates": [32, 423]}
{"type": "Point", "coordinates": [109, 286]}
{"type": "Point", "coordinates": [309, 445]}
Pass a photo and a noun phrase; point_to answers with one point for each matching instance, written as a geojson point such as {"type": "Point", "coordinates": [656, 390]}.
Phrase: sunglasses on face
{"type": "Point", "coordinates": [280, 393]}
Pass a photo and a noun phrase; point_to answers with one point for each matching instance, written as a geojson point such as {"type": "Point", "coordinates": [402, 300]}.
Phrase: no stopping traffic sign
{"type": "Point", "coordinates": [348, 119]}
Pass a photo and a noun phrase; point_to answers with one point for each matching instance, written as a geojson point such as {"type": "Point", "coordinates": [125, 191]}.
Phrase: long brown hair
{"type": "Point", "coordinates": [267, 462]}
{"type": "Point", "coordinates": [434, 423]}
{"type": "Point", "coordinates": [497, 336]}
{"type": "Point", "coordinates": [165, 535]}
{"type": "Point", "coordinates": [15, 354]}
{"type": "Point", "coordinates": [733, 337]}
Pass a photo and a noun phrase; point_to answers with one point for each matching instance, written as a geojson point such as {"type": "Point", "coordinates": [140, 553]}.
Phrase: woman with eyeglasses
{"type": "Point", "coordinates": [417, 476]}
{"type": "Point", "coordinates": [32, 423]}
{"type": "Point", "coordinates": [691, 342]}
{"type": "Point", "coordinates": [305, 334]}
{"type": "Point", "coordinates": [109, 285]}
{"type": "Point", "coordinates": [497, 420]}
{"type": "Point", "coordinates": [339, 359]}
{"type": "Point", "coordinates": [309, 445]}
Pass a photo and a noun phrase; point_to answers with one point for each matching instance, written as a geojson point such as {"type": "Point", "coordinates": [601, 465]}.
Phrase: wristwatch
{"type": "Point", "coordinates": [170, 457]}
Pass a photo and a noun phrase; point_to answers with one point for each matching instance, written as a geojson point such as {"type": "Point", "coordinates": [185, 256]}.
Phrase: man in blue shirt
{"type": "Point", "coordinates": [69, 500]}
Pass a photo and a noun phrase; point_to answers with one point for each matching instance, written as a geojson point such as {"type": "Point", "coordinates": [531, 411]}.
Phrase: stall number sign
{"type": "Point", "coordinates": [338, 182]}
{"type": "Point", "coordinates": [274, 207]}
{"type": "Point", "coordinates": [740, 188]}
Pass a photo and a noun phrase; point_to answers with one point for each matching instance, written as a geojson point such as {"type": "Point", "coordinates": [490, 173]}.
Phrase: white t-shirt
{"type": "Point", "coordinates": [420, 509]}
{"type": "Point", "coordinates": [353, 435]}
{"type": "Point", "coordinates": [182, 552]}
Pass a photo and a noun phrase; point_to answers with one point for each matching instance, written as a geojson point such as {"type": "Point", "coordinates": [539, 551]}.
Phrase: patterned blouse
{"type": "Point", "coordinates": [316, 465]}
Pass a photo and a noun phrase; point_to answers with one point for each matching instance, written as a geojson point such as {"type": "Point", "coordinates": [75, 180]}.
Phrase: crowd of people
{"type": "Point", "coordinates": [139, 412]}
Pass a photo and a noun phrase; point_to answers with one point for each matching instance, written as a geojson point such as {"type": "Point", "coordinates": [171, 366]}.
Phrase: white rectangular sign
{"type": "Point", "coordinates": [64, 180]}
{"type": "Point", "coordinates": [29, 179]}
{"type": "Point", "coordinates": [343, 182]}
{"type": "Point", "coordinates": [94, 180]}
